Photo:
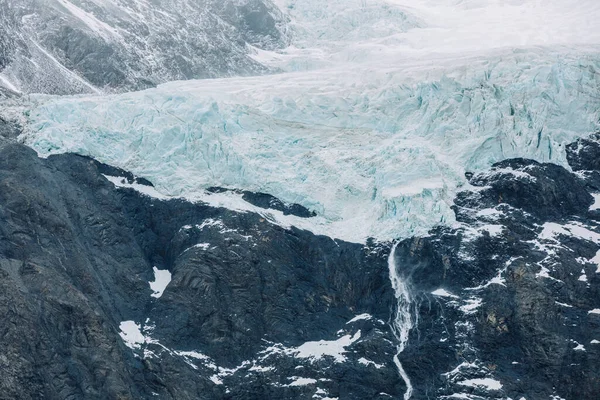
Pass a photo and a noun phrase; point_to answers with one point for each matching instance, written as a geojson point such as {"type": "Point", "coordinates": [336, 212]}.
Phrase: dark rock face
{"type": "Point", "coordinates": [583, 154]}
{"type": "Point", "coordinates": [506, 303]}
{"type": "Point", "coordinates": [515, 308]}
{"type": "Point", "coordinates": [79, 46]}
{"type": "Point", "coordinates": [269, 202]}
{"type": "Point", "coordinates": [242, 317]}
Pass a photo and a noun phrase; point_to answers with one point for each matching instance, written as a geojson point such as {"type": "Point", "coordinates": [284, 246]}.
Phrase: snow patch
{"type": "Point", "coordinates": [143, 189]}
{"type": "Point", "coordinates": [471, 305]}
{"type": "Point", "coordinates": [4, 81]}
{"type": "Point", "coordinates": [302, 381]}
{"type": "Point", "coordinates": [162, 278]}
{"type": "Point", "coordinates": [131, 334]}
{"type": "Point", "coordinates": [102, 29]}
{"type": "Point", "coordinates": [596, 260]}
{"type": "Point", "coordinates": [487, 383]}
{"type": "Point", "coordinates": [360, 317]}
{"type": "Point", "coordinates": [596, 204]}
{"type": "Point", "coordinates": [329, 348]}
{"type": "Point", "coordinates": [366, 362]}
{"type": "Point", "coordinates": [579, 347]}
{"type": "Point", "coordinates": [563, 304]}
{"type": "Point", "coordinates": [444, 293]}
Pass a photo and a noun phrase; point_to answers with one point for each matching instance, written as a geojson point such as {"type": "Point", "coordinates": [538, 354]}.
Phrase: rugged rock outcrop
{"type": "Point", "coordinates": [81, 46]}
{"type": "Point", "coordinates": [509, 299]}
{"type": "Point", "coordinates": [109, 292]}
{"type": "Point", "coordinates": [252, 310]}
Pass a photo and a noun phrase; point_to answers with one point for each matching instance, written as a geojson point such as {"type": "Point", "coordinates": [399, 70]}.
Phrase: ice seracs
{"type": "Point", "coordinates": [375, 134]}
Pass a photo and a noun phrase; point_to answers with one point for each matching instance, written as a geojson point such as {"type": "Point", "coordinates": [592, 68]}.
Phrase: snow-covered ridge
{"type": "Point", "coordinates": [375, 134]}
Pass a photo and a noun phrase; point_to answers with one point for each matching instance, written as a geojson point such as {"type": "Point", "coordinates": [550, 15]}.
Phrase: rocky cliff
{"type": "Point", "coordinates": [111, 291]}
{"type": "Point", "coordinates": [90, 46]}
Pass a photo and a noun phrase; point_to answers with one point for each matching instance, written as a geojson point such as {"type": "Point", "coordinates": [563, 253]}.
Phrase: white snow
{"type": "Point", "coordinates": [489, 212]}
{"type": "Point", "coordinates": [594, 341]}
{"type": "Point", "coordinates": [548, 242]}
{"type": "Point", "coordinates": [193, 354]}
{"type": "Point", "coordinates": [258, 368]}
{"type": "Point", "coordinates": [564, 304]}
{"type": "Point", "coordinates": [596, 260]}
{"type": "Point", "coordinates": [459, 368]}
{"type": "Point", "coordinates": [302, 381]}
{"type": "Point", "coordinates": [492, 229]}
{"type": "Point", "coordinates": [458, 396]}
{"type": "Point", "coordinates": [471, 305]}
{"type": "Point", "coordinates": [162, 278]}
{"type": "Point", "coordinates": [366, 362]}
{"type": "Point", "coordinates": [4, 81]}
{"type": "Point", "coordinates": [131, 334]}
{"type": "Point", "coordinates": [517, 174]}
{"type": "Point", "coordinates": [144, 189]}
{"type": "Point", "coordinates": [332, 348]}
{"type": "Point", "coordinates": [102, 29]}
{"type": "Point", "coordinates": [443, 293]}
{"type": "Point", "coordinates": [360, 317]}
{"type": "Point", "coordinates": [579, 347]}
{"type": "Point", "coordinates": [594, 311]}
{"type": "Point", "coordinates": [487, 383]}
{"type": "Point", "coordinates": [596, 204]}
{"type": "Point", "coordinates": [203, 246]}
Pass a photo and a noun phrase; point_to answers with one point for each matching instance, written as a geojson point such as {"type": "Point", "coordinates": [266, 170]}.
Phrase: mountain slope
{"type": "Point", "coordinates": [508, 300]}
{"type": "Point", "coordinates": [112, 293]}
{"type": "Point", "coordinates": [90, 46]}
{"type": "Point", "coordinates": [250, 310]}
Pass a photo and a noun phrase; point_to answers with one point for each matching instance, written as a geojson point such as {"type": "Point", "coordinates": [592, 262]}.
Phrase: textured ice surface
{"type": "Point", "coordinates": [386, 110]}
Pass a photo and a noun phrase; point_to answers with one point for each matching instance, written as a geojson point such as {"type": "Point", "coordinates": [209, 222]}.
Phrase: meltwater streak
{"type": "Point", "coordinates": [403, 321]}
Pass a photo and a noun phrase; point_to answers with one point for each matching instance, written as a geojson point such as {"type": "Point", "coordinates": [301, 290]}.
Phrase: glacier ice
{"type": "Point", "coordinates": [375, 132]}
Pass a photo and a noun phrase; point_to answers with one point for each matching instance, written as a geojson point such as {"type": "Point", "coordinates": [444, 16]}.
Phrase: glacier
{"type": "Point", "coordinates": [381, 109]}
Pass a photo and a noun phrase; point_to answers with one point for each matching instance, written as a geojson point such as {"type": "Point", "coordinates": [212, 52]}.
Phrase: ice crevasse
{"type": "Point", "coordinates": [377, 148]}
